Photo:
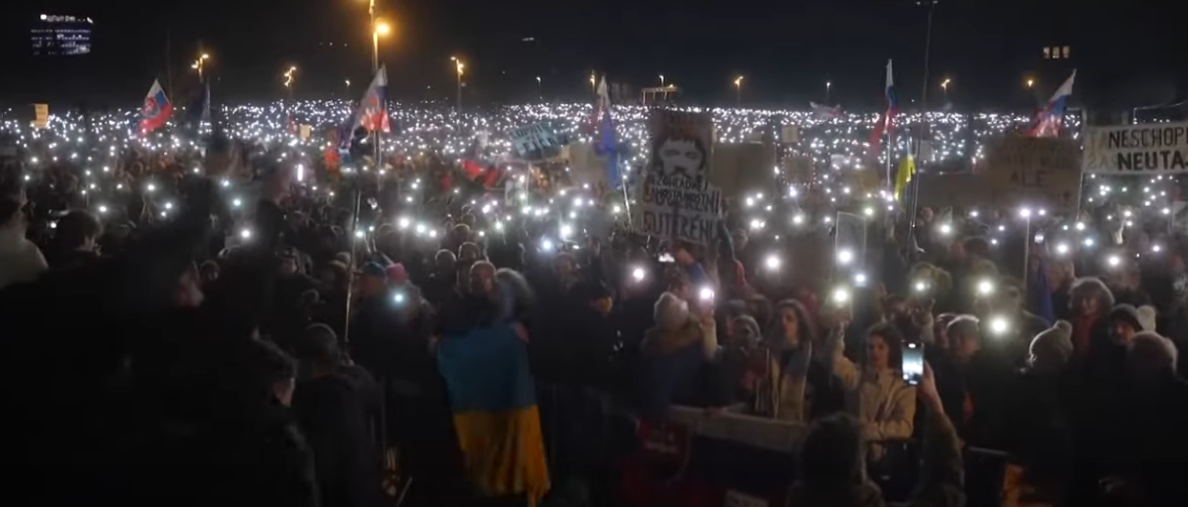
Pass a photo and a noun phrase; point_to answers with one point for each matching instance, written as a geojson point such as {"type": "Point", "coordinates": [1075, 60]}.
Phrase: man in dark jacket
{"type": "Point", "coordinates": [334, 412]}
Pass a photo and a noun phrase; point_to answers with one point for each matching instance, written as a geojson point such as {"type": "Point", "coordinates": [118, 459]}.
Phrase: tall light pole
{"type": "Point", "coordinates": [593, 84]}
{"type": "Point", "coordinates": [459, 66]}
{"type": "Point", "coordinates": [348, 87]}
{"type": "Point", "coordinates": [945, 88]}
{"type": "Point", "coordinates": [539, 89]}
{"type": "Point", "coordinates": [662, 80]}
{"type": "Point", "coordinates": [381, 28]}
{"type": "Point", "coordinates": [290, 79]}
{"type": "Point", "coordinates": [738, 89]}
{"type": "Point", "coordinates": [199, 64]}
{"type": "Point", "coordinates": [828, 86]}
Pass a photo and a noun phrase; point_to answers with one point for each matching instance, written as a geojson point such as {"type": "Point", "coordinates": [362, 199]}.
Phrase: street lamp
{"type": "Point", "coordinates": [460, 66]}
{"type": "Point", "coordinates": [199, 64]}
{"type": "Point", "coordinates": [290, 76]}
{"type": "Point", "coordinates": [662, 80]}
{"type": "Point", "coordinates": [738, 88]}
{"type": "Point", "coordinates": [593, 86]}
{"type": "Point", "coordinates": [828, 85]}
{"type": "Point", "coordinates": [381, 28]}
{"type": "Point", "coordinates": [539, 89]}
{"type": "Point", "coordinates": [945, 88]}
{"type": "Point", "coordinates": [1030, 83]}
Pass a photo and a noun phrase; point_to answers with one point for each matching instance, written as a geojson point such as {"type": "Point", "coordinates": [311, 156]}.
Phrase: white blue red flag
{"type": "Point", "coordinates": [156, 109]}
{"type": "Point", "coordinates": [608, 144]}
{"type": "Point", "coordinates": [825, 112]}
{"type": "Point", "coordinates": [1050, 120]}
{"type": "Point", "coordinates": [372, 113]}
{"type": "Point", "coordinates": [886, 124]}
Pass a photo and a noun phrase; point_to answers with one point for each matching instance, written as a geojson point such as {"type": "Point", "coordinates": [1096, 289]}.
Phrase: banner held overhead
{"type": "Point", "coordinates": [1148, 148]}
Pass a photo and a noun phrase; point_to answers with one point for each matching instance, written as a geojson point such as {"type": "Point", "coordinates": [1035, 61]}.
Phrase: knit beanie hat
{"type": "Point", "coordinates": [746, 327]}
{"type": "Point", "coordinates": [1155, 348]}
{"type": "Point", "coordinates": [1141, 318]}
{"type": "Point", "coordinates": [1055, 341]}
{"type": "Point", "coordinates": [670, 311]}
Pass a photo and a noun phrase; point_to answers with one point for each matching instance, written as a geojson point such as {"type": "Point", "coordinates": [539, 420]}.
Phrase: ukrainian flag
{"type": "Point", "coordinates": [907, 169]}
{"type": "Point", "coordinates": [495, 414]}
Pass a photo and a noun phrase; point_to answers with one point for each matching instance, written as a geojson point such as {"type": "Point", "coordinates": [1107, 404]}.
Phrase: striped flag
{"type": "Point", "coordinates": [1050, 120]}
{"type": "Point", "coordinates": [886, 124]}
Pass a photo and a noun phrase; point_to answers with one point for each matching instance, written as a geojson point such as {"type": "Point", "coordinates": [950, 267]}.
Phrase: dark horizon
{"type": "Point", "coordinates": [1126, 57]}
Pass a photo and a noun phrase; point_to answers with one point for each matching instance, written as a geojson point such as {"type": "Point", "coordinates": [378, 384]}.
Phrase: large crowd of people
{"type": "Point", "coordinates": [231, 325]}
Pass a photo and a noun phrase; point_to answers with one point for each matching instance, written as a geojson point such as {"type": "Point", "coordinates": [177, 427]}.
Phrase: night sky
{"type": "Point", "coordinates": [1128, 53]}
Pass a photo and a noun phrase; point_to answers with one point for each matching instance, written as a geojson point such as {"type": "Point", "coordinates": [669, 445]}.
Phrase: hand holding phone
{"type": "Point", "coordinates": [913, 363]}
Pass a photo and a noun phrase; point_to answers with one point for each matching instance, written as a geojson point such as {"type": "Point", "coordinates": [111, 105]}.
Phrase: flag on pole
{"type": "Point", "coordinates": [372, 113]}
{"type": "Point", "coordinates": [1050, 120]}
{"type": "Point", "coordinates": [907, 170]}
{"type": "Point", "coordinates": [608, 145]}
{"type": "Point", "coordinates": [156, 109]}
{"type": "Point", "coordinates": [886, 124]}
{"type": "Point", "coordinates": [824, 111]}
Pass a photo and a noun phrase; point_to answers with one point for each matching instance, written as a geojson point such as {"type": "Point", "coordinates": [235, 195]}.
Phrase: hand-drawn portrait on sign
{"type": "Point", "coordinates": [681, 144]}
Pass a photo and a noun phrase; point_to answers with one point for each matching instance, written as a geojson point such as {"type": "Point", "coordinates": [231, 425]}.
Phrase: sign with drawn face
{"type": "Point", "coordinates": [676, 199]}
{"type": "Point", "coordinates": [681, 144]}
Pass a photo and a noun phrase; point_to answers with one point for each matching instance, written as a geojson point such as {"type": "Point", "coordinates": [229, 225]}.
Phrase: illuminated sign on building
{"type": "Point", "coordinates": [61, 35]}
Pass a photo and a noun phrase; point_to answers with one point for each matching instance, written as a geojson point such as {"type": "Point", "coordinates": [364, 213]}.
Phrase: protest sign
{"type": "Point", "coordinates": [676, 199]}
{"type": "Point", "coordinates": [41, 116]}
{"type": "Point", "coordinates": [961, 190]}
{"type": "Point", "coordinates": [1033, 171]}
{"type": "Point", "coordinates": [742, 167]}
{"type": "Point", "coordinates": [1134, 149]}
{"type": "Point", "coordinates": [538, 141]}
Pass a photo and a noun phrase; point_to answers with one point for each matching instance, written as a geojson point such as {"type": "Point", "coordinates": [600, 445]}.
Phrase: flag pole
{"type": "Point", "coordinates": [914, 200]}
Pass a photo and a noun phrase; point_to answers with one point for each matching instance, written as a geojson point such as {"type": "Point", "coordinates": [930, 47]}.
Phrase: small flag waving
{"type": "Point", "coordinates": [1050, 120]}
{"type": "Point", "coordinates": [372, 113]}
{"type": "Point", "coordinates": [156, 109]}
{"type": "Point", "coordinates": [907, 170]}
{"type": "Point", "coordinates": [886, 124]}
{"type": "Point", "coordinates": [608, 145]}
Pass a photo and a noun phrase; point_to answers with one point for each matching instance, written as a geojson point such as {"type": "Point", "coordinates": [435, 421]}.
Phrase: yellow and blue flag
{"type": "Point", "coordinates": [907, 170]}
{"type": "Point", "coordinates": [495, 414]}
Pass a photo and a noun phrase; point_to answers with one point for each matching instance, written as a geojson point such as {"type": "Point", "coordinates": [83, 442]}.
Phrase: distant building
{"type": "Point", "coordinates": [54, 35]}
{"type": "Point", "coordinates": [1057, 52]}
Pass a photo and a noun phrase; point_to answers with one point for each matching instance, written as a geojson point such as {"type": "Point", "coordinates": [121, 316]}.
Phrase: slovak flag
{"type": "Point", "coordinates": [156, 109]}
{"type": "Point", "coordinates": [608, 143]}
{"type": "Point", "coordinates": [372, 113]}
{"type": "Point", "coordinates": [1050, 120]}
{"type": "Point", "coordinates": [886, 124]}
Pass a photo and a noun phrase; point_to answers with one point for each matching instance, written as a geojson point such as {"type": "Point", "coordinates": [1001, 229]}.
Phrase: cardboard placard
{"type": "Point", "coordinates": [676, 199]}
{"type": "Point", "coordinates": [1033, 171]}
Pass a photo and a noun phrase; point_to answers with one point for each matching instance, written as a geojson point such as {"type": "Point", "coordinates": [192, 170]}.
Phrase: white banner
{"type": "Point", "coordinates": [1147, 148]}
{"type": "Point", "coordinates": [676, 207]}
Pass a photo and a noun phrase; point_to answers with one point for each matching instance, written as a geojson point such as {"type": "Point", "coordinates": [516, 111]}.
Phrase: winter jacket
{"type": "Point", "coordinates": [20, 260]}
{"type": "Point", "coordinates": [941, 482]}
{"type": "Point", "coordinates": [333, 415]}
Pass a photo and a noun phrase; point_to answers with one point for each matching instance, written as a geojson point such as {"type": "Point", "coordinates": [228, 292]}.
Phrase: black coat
{"type": "Point", "coordinates": [334, 414]}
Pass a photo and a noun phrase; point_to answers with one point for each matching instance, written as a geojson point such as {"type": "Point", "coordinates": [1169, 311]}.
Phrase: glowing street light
{"type": "Point", "coordinates": [828, 86]}
{"type": "Point", "coordinates": [945, 88]}
{"type": "Point", "coordinates": [662, 80]}
{"type": "Point", "coordinates": [459, 66]}
{"type": "Point", "coordinates": [1030, 83]}
{"type": "Point", "coordinates": [199, 64]}
{"type": "Point", "coordinates": [290, 76]}
{"type": "Point", "coordinates": [738, 88]}
{"type": "Point", "coordinates": [381, 29]}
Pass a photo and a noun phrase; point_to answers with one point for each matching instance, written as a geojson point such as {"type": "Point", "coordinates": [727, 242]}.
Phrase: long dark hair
{"type": "Point", "coordinates": [894, 340]}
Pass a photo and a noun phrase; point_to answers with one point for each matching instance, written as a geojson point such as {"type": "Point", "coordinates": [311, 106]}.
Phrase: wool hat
{"type": "Point", "coordinates": [744, 325]}
{"type": "Point", "coordinates": [1056, 340]}
{"type": "Point", "coordinates": [670, 311]}
{"type": "Point", "coordinates": [1155, 348]}
{"type": "Point", "coordinates": [1141, 318]}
